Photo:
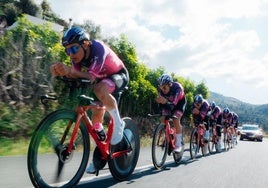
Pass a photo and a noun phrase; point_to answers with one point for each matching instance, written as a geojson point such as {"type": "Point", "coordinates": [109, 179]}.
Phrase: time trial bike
{"type": "Point", "coordinates": [60, 145]}
{"type": "Point", "coordinates": [197, 140]}
{"type": "Point", "coordinates": [227, 137]}
{"type": "Point", "coordinates": [163, 142]}
{"type": "Point", "coordinates": [214, 139]}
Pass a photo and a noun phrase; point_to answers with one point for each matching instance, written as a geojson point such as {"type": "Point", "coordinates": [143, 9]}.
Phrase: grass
{"type": "Point", "coordinates": [11, 147]}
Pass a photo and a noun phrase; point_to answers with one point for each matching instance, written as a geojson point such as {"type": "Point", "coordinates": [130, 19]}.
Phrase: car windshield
{"type": "Point", "coordinates": [250, 128]}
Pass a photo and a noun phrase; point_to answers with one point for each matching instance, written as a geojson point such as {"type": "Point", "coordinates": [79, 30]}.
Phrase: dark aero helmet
{"type": "Point", "coordinates": [198, 99]}
{"type": "Point", "coordinates": [226, 110]}
{"type": "Point", "coordinates": [164, 79]}
{"type": "Point", "coordinates": [213, 105]}
{"type": "Point", "coordinates": [74, 35]}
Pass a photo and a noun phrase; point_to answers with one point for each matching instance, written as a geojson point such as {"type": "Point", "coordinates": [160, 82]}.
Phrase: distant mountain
{"type": "Point", "coordinates": [248, 113]}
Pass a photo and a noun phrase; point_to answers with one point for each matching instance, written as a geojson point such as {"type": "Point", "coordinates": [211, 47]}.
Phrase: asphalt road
{"type": "Point", "coordinates": [244, 166]}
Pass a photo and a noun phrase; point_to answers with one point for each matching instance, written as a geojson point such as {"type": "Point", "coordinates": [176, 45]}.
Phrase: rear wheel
{"type": "Point", "coordinates": [177, 156]}
{"type": "Point", "coordinates": [159, 147]}
{"type": "Point", "coordinates": [122, 167]}
{"type": "Point", "coordinates": [49, 165]}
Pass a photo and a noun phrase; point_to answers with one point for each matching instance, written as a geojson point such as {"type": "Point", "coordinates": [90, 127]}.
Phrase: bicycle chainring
{"type": "Point", "coordinates": [98, 160]}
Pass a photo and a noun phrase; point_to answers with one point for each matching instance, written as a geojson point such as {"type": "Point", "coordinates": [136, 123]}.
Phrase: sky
{"type": "Point", "coordinates": [223, 43]}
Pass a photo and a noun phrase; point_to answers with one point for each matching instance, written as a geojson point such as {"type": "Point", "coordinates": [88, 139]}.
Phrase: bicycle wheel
{"type": "Point", "coordinates": [122, 167]}
{"type": "Point", "coordinates": [159, 147]}
{"type": "Point", "coordinates": [48, 164]}
{"type": "Point", "coordinates": [212, 142]}
{"type": "Point", "coordinates": [178, 156]}
{"type": "Point", "coordinates": [226, 142]}
{"type": "Point", "coordinates": [194, 143]}
{"type": "Point", "coordinates": [204, 148]}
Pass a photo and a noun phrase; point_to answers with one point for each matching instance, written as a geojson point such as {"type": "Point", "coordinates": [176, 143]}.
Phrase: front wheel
{"type": "Point", "coordinates": [226, 142]}
{"type": "Point", "coordinates": [49, 165]}
{"type": "Point", "coordinates": [159, 147]}
{"type": "Point", "coordinates": [194, 143]}
{"type": "Point", "coordinates": [122, 167]}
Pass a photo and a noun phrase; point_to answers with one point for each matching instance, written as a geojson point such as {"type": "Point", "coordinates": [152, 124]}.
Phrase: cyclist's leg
{"type": "Point", "coordinates": [103, 91]}
{"type": "Point", "coordinates": [178, 112]}
{"type": "Point", "coordinates": [178, 139]}
{"type": "Point", "coordinates": [206, 135]}
{"type": "Point", "coordinates": [97, 117]}
{"type": "Point", "coordinates": [218, 130]}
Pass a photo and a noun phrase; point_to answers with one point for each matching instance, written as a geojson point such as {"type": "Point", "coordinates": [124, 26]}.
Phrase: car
{"type": "Point", "coordinates": [238, 130]}
{"type": "Point", "coordinates": [251, 132]}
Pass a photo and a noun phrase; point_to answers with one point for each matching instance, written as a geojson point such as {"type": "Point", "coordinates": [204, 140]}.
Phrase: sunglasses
{"type": "Point", "coordinates": [163, 87]}
{"type": "Point", "coordinates": [72, 50]}
{"type": "Point", "coordinates": [197, 104]}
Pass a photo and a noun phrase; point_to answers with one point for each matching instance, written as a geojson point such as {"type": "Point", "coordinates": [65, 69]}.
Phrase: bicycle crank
{"type": "Point", "coordinates": [98, 161]}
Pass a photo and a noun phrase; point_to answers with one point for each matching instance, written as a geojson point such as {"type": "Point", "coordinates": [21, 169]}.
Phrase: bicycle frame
{"type": "Point", "coordinates": [214, 133]}
{"type": "Point", "coordinates": [104, 146]}
{"type": "Point", "coordinates": [169, 139]}
{"type": "Point", "coordinates": [200, 132]}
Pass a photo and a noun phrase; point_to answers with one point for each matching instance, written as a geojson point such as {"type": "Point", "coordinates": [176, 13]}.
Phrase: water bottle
{"type": "Point", "coordinates": [171, 132]}
{"type": "Point", "coordinates": [100, 132]}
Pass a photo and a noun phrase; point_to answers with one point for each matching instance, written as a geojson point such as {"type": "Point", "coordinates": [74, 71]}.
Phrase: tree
{"type": "Point", "coordinates": [26, 53]}
{"type": "Point", "coordinates": [92, 29]}
{"type": "Point", "coordinates": [10, 11]}
{"type": "Point", "coordinates": [201, 88]}
{"type": "Point", "coordinates": [27, 7]}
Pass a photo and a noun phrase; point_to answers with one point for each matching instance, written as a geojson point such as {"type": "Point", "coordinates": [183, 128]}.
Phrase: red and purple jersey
{"type": "Point", "coordinates": [175, 94]}
{"type": "Point", "coordinates": [228, 119]}
{"type": "Point", "coordinates": [205, 107]}
{"type": "Point", "coordinates": [216, 112]}
{"type": "Point", "coordinates": [235, 118]}
{"type": "Point", "coordinates": [102, 61]}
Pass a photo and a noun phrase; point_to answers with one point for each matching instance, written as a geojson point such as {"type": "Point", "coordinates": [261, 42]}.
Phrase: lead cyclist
{"type": "Point", "coordinates": [94, 60]}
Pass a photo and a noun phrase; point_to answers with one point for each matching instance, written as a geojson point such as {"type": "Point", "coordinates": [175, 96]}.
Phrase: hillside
{"type": "Point", "coordinates": [248, 113]}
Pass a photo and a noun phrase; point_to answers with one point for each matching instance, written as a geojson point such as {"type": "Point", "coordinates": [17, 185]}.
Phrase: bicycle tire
{"type": "Point", "coordinates": [46, 152]}
{"type": "Point", "coordinates": [194, 144]}
{"type": "Point", "coordinates": [204, 149]}
{"type": "Point", "coordinates": [226, 142]}
{"type": "Point", "coordinates": [122, 167]}
{"type": "Point", "coordinates": [178, 156]}
{"type": "Point", "coordinates": [160, 147]}
{"type": "Point", "coordinates": [211, 144]}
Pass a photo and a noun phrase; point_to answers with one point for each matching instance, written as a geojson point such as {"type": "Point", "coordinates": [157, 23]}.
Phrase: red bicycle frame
{"type": "Point", "coordinates": [104, 146]}
{"type": "Point", "coordinates": [168, 129]}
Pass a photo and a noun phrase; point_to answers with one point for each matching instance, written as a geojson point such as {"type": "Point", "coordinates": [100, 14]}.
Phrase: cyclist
{"type": "Point", "coordinates": [215, 119]}
{"type": "Point", "coordinates": [235, 124]}
{"type": "Point", "coordinates": [200, 113]}
{"type": "Point", "coordinates": [171, 98]}
{"type": "Point", "coordinates": [226, 118]}
{"type": "Point", "coordinates": [93, 60]}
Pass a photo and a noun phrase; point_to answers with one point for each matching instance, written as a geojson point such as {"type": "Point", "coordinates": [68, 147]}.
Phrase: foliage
{"type": "Point", "coordinates": [26, 53]}
{"type": "Point", "coordinates": [141, 91]}
{"type": "Point", "coordinates": [92, 29]}
{"type": "Point", "coordinates": [13, 9]}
